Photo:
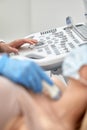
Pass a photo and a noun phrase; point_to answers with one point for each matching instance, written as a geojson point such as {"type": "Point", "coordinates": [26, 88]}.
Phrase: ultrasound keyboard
{"type": "Point", "coordinates": [56, 41]}
{"type": "Point", "coordinates": [81, 31]}
{"type": "Point", "coordinates": [53, 45]}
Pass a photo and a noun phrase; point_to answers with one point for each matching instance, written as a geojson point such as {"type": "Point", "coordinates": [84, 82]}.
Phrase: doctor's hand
{"type": "Point", "coordinates": [14, 45]}
{"type": "Point", "coordinates": [24, 72]}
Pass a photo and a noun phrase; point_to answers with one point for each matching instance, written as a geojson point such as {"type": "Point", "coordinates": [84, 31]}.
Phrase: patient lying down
{"type": "Point", "coordinates": [22, 110]}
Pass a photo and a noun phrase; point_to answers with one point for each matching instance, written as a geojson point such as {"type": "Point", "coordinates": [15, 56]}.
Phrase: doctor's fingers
{"type": "Point", "coordinates": [32, 41]}
{"type": "Point", "coordinates": [20, 42]}
{"type": "Point", "coordinates": [8, 49]}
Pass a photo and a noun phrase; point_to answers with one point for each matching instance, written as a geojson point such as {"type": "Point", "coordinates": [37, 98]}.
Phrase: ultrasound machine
{"type": "Point", "coordinates": [54, 44]}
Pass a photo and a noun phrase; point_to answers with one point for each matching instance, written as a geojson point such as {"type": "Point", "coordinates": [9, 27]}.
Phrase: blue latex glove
{"type": "Point", "coordinates": [24, 72]}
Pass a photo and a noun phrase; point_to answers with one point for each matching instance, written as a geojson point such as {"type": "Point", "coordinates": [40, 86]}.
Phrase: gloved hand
{"type": "Point", "coordinates": [24, 72]}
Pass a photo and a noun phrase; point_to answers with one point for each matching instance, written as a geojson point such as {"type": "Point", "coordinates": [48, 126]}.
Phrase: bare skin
{"type": "Point", "coordinates": [14, 45]}
{"type": "Point", "coordinates": [46, 114]}
{"type": "Point", "coordinates": [42, 113]}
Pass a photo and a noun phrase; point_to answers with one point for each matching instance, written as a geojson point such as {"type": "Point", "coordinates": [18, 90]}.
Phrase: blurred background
{"type": "Point", "coordinates": [19, 18]}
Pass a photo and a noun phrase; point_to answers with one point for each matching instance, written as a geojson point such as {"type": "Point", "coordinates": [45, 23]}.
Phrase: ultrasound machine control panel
{"type": "Point", "coordinates": [54, 44]}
